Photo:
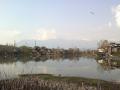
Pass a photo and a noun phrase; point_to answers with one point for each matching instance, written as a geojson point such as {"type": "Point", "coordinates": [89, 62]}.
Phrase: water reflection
{"type": "Point", "coordinates": [42, 59]}
{"type": "Point", "coordinates": [81, 67]}
{"type": "Point", "coordinates": [109, 64]}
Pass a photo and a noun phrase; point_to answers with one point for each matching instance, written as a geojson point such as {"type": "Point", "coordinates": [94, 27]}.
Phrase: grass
{"type": "Point", "coordinates": [78, 80]}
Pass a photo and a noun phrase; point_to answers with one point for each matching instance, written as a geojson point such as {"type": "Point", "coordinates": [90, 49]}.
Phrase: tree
{"type": "Point", "coordinates": [103, 44]}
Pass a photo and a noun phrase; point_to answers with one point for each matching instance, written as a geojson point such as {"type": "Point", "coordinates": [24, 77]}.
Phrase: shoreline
{"type": "Point", "coordinates": [50, 82]}
{"type": "Point", "coordinates": [68, 78]}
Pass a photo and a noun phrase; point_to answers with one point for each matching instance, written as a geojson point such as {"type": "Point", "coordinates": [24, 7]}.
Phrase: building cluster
{"type": "Point", "coordinates": [115, 47]}
{"type": "Point", "coordinates": [43, 51]}
{"type": "Point", "coordinates": [109, 49]}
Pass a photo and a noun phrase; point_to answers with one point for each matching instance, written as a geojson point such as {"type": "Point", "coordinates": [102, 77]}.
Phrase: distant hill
{"type": "Point", "coordinates": [55, 43]}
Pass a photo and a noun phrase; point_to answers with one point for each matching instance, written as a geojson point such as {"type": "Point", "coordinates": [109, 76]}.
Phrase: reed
{"type": "Point", "coordinates": [38, 84]}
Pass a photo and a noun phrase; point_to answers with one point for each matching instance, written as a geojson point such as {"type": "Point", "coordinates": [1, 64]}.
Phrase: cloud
{"type": "Point", "coordinates": [116, 11]}
{"type": "Point", "coordinates": [109, 24]}
{"type": "Point", "coordinates": [8, 36]}
{"type": "Point", "coordinates": [45, 34]}
{"type": "Point", "coordinates": [85, 39]}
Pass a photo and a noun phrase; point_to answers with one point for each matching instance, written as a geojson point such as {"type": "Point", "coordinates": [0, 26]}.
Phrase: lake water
{"type": "Point", "coordinates": [82, 67]}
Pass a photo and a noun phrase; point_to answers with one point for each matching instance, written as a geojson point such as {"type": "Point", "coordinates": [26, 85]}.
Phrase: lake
{"type": "Point", "coordinates": [81, 67]}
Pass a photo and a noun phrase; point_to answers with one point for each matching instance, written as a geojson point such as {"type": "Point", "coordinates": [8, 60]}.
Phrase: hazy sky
{"type": "Point", "coordinates": [59, 19]}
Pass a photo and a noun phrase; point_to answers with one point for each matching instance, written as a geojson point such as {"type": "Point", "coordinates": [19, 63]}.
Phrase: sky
{"type": "Point", "coordinates": [59, 19]}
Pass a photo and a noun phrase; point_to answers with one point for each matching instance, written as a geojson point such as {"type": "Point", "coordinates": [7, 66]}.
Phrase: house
{"type": "Point", "coordinates": [114, 47]}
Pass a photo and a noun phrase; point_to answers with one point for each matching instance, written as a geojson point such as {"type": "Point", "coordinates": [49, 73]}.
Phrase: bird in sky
{"type": "Point", "coordinates": [91, 12]}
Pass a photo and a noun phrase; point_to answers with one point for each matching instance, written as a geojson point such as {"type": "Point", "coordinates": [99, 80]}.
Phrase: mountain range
{"type": "Point", "coordinates": [60, 43]}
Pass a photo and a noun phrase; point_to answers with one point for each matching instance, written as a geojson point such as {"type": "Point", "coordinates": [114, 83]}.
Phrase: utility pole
{"type": "Point", "coordinates": [35, 43]}
{"type": "Point", "coordinates": [14, 43]}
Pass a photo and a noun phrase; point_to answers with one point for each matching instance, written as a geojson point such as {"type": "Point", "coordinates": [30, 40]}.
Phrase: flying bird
{"type": "Point", "coordinates": [91, 12]}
